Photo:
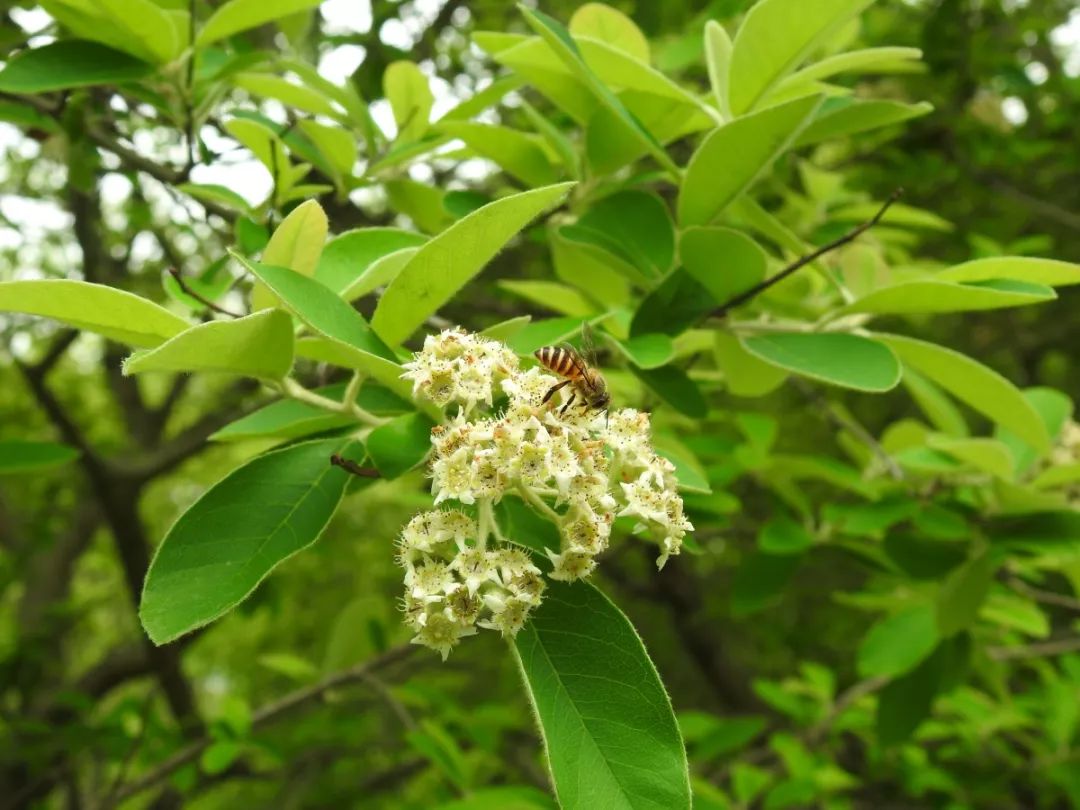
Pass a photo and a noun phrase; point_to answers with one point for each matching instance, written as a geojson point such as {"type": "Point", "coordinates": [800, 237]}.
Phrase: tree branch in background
{"type": "Point", "coordinates": [267, 714]}
{"type": "Point", "coordinates": [1040, 649]}
{"type": "Point", "coordinates": [800, 263]}
{"type": "Point", "coordinates": [830, 414]}
{"type": "Point", "coordinates": [206, 302]}
{"type": "Point", "coordinates": [1046, 597]}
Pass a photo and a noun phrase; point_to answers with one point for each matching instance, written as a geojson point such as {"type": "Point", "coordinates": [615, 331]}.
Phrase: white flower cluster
{"type": "Point", "coordinates": [453, 585]}
{"type": "Point", "coordinates": [580, 469]}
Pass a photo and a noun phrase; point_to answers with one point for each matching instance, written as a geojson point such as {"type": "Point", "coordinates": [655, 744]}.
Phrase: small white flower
{"type": "Point", "coordinates": [571, 564]}
{"type": "Point", "coordinates": [441, 633]}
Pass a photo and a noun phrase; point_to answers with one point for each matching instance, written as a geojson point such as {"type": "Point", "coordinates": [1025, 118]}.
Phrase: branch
{"type": "Point", "coordinates": [1057, 646]}
{"type": "Point", "coordinates": [1046, 597]}
{"type": "Point", "coordinates": [354, 468]}
{"type": "Point", "coordinates": [267, 714]}
{"type": "Point", "coordinates": [851, 235]}
{"type": "Point", "coordinates": [206, 302]}
{"type": "Point", "coordinates": [839, 420]}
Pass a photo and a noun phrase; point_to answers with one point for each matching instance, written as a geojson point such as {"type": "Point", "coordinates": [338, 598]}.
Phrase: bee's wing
{"type": "Point", "coordinates": [588, 344]}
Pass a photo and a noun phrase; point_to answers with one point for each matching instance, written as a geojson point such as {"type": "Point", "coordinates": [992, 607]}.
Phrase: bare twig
{"type": "Point", "coordinates": [1041, 649]}
{"type": "Point", "coordinates": [839, 420]}
{"type": "Point", "coordinates": [206, 302]}
{"type": "Point", "coordinates": [1046, 597]}
{"type": "Point", "coordinates": [851, 235]}
{"type": "Point", "coordinates": [353, 468]}
{"type": "Point", "coordinates": [267, 714]}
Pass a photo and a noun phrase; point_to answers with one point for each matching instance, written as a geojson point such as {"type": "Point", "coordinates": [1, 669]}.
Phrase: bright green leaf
{"type": "Point", "coordinates": [97, 308]}
{"type": "Point", "coordinates": [973, 383]}
{"type": "Point", "coordinates": [1019, 268]}
{"type": "Point", "coordinates": [725, 261]}
{"type": "Point", "coordinates": [347, 257]}
{"type": "Point", "coordinates": [69, 63]}
{"type": "Point", "coordinates": [846, 360]}
{"type": "Point", "coordinates": [446, 263]}
{"type": "Point", "coordinates": [718, 61]}
{"type": "Point", "coordinates": [399, 445]}
{"type": "Point", "coordinates": [240, 15]}
{"type": "Point", "coordinates": [296, 244]}
{"type": "Point", "coordinates": [260, 345]}
{"type": "Point", "coordinates": [732, 157]}
{"type": "Point", "coordinates": [606, 24]}
{"type": "Point", "coordinates": [744, 374]}
{"type": "Point", "coordinates": [222, 547]}
{"type": "Point", "coordinates": [842, 117]}
{"type": "Point", "coordinates": [519, 154]}
{"type": "Point", "coordinates": [409, 93]}
{"type": "Point", "coordinates": [774, 38]}
{"type": "Point", "coordinates": [897, 643]}
{"type": "Point", "coordinates": [611, 736]}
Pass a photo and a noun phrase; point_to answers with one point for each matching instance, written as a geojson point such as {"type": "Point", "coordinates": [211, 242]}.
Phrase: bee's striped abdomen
{"type": "Point", "coordinates": [559, 360]}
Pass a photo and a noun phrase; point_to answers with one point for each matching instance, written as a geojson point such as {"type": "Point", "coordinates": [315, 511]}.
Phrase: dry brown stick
{"type": "Point", "coordinates": [353, 468]}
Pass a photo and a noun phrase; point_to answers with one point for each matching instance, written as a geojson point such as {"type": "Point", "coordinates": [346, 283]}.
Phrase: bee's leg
{"type": "Point", "coordinates": [569, 402]}
{"type": "Point", "coordinates": [553, 389]}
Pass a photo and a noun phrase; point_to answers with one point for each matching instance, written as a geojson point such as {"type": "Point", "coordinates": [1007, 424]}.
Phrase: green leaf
{"type": "Point", "coordinates": [1055, 409]}
{"type": "Point", "coordinates": [219, 755]}
{"type": "Point", "coordinates": [676, 304]}
{"type": "Point", "coordinates": [973, 383]}
{"type": "Point", "coordinates": [905, 702]}
{"type": "Point", "coordinates": [240, 15]}
{"type": "Point", "coordinates": [1019, 268]}
{"type": "Point", "coordinates": [733, 156]}
{"type": "Point", "coordinates": [936, 404]}
{"type": "Point", "coordinates": [547, 332]}
{"type": "Point", "coordinates": [560, 41]}
{"type": "Point", "coordinates": [718, 61]}
{"type": "Point", "coordinates": [291, 666]}
{"type": "Point", "coordinates": [648, 351]}
{"type": "Point", "coordinates": [420, 202]}
{"type": "Point", "coordinates": [634, 225]}
{"type": "Point", "coordinates": [347, 257]}
{"type": "Point", "coordinates": [675, 387]}
{"type": "Point", "coordinates": [760, 581]}
{"type": "Point", "coordinates": [519, 154]}
{"type": "Point", "coordinates": [399, 445]}
{"type": "Point", "coordinates": [337, 145]}
{"type": "Point", "coordinates": [774, 38]}
{"type": "Point", "coordinates": [260, 345]}
{"type": "Point", "coordinates": [842, 117]}
{"type": "Point", "coordinates": [725, 261]}
{"type": "Point", "coordinates": [288, 93]}
{"type": "Point", "coordinates": [409, 93]}
{"type": "Point", "coordinates": [610, 733]}
{"type": "Point", "coordinates": [296, 244]}
{"type": "Point", "coordinates": [988, 455]}
{"type": "Point", "coordinates": [291, 419]}
{"type": "Point", "coordinates": [212, 192]}
{"type": "Point", "coordinates": [691, 476]}
{"type": "Point", "coordinates": [503, 797]}
{"type": "Point", "coordinates": [149, 29]}
{"type": "Point", "coordinates": [846, 360]}
{"type": "Point", "coordinates": [18, 456]}
{"type": "Point", "coordinates": [69, 63]}
{"type": "Point", "coordinates": [447, 262]}
{"type": "Point", "coordinates": [550, 295]}
{"type": "Point", "coordinates": [926, 296]}
{"type": "Point", "coordinates": [963, 593]}
{"type": "Point", "coordinates": [744, 374]}
{"type": "Point", "coordinates": [1015, 612]}
{"type": "Point", "coordinates": [223, 546]}
{"type": "Point", "coordinates": [97, 308]}
{"type": "Point", "coordinates": [318, 307]}
{"type": "Point", "coordinates": [606, 24]}
{"type": "Point", "coordinates": [783, 535]}
{"type": "Point", "coordinates": [897, 643]}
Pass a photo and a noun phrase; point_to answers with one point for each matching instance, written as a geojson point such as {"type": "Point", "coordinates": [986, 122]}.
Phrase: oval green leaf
{"type": "Point", "coordinates": [297, 244]}
{"type": "Point", "coordinates": [347, 257]}
{"type": "Point", "coordinates": [843, 117]}
{"type": "Point", "coordinates": [96, 308]}
{"type": "Point", "coordinates": [611, 736]}
{"type": "Point", "coordinates": [846, 360]}
{"type": "Point", "coordinates": [224, 545]}
{"type": "Point", "coordinates": [445, 264]}
{"type": "Point", "coordinates": [731, 158]}
{"type": "Point", "coordinates": [928, 296]}
{"type": "Point", "coordinates": [70, 63]}
{"type": "Point", "coordinates": [774, 38]}
{"type": "Point", "coordinates": [725, 261]}
{"type": "Point", "coordinates": [1019, 268]}
{"type": "Point", "coordinates": [898, 643]}
{"type": "Point", "coordinates": [260, 345]}
{"type": "Point", "coordinates": [240, 15]}
{"type": "Point", "coordinates": [399, 445]}
{"type": "Point", "coordinates": [974, 384]}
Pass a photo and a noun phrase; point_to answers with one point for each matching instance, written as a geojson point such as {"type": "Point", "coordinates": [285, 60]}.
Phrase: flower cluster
{"type": "Point", "coordinates": [578, 468]}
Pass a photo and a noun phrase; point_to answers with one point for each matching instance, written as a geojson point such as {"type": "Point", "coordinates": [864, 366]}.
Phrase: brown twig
{"type": "Point", "coordinates": [353, 467]}
{"type": "Point", "coordinates": [1057, 646]}
{"type": "Point", "coordinates": [206, 302]}
{"type": "Point", "coordinates": [267, 714]}
{"type": "Point", "coordinates": [1046, 597]}
{"type": "Point", "coordinates": [851, 235]}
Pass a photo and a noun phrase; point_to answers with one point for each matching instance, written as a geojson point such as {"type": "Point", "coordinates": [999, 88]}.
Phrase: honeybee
{"type": "Point", "coordinates": [587, 382]}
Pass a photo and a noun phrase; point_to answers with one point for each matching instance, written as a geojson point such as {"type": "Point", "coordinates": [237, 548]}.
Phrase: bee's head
{"type": "Point", "coordinates": [601, 400]}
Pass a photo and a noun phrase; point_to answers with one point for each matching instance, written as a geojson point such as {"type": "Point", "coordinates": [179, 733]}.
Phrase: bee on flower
{"type": "Point", "coordinates": [579, 468]}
